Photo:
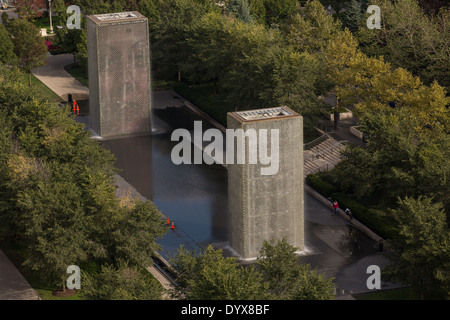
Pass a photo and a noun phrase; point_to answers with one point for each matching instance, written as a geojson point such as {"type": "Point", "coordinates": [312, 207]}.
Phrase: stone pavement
{"type": "Point", "coordinates": [13, 285]}
{"type": "Point", "coordinates": [59, 80]}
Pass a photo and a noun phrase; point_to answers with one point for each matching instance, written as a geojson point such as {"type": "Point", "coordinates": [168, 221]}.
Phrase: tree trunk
{"type": "Point", "coordinates": [29, 78]}
{"type": "Point", "coordinates": [336, 119]}
{"type": "Point", "coordinates": [179, 75]}
{"type": "Point", "coordinates": [64, 286]}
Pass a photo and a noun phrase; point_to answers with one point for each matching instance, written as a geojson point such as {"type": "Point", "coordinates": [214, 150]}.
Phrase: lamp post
{"type": "Point", "coordinates": [50, 14]}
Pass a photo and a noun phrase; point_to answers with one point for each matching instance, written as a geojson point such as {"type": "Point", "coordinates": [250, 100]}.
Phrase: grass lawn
{"type": "Point", "coordinates": [16, 253]}
{"type": "Point", "coordinates": [78, 72]}
{"type": "Point", "coordinates": [46, 91]}
{"type": "Point", "coordinates": [44, 22]}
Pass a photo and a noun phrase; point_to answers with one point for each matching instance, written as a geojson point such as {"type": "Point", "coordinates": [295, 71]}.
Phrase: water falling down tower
{"type": "Point", "coordinates": [271, 206]}
{"type": "Point", "coordinates": [119, 74]}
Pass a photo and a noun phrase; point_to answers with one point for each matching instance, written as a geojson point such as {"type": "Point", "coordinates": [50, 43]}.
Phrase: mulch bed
{"type": "Point", "coordinates": [60, 293]}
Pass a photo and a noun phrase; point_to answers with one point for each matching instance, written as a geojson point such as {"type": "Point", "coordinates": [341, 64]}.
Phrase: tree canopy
{"type": "Point", "coordinates": [277, 275]}
{"type": "Point", "coordinates": [57, 190]}
{"type": "Point", "coordinates": [29, 47]}
{"type": "Point", "coordinates": [419, 256]}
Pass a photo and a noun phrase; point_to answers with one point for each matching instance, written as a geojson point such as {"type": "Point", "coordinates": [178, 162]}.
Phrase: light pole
{"type": "Point", "coordinates": [50, 14]}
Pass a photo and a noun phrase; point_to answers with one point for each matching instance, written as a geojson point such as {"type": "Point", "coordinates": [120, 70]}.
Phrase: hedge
{"type": "Point", "coordinates": [376, 220]}
{"type": "Point", "coordinates": [324, 188]}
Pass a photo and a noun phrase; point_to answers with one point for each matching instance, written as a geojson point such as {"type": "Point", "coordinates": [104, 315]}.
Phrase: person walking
{"type": "Point", "coordinates": [335, 207]}
{"type": "Point", "coordinates": [349, 213]}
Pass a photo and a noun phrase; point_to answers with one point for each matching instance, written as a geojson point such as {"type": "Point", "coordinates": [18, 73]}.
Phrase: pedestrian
{"type": "Point", "coordinates": [335, 207]}
{"type": "Point", "coordinates": [349, 213]}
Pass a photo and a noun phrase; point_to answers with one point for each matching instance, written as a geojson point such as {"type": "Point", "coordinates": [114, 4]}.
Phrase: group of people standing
{"type": "Point", "coordinates": [347, 210]}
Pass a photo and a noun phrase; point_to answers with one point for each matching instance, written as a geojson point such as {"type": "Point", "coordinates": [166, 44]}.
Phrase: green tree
{"type": "Point", "coordinates": [296, 77]}
{"type": "Point", "coordinates": [421, 253]}
{"type": "Point", "coordinates": [410, 39]}
{"type": "Point", "coordinates": [57, 190]}
{"type": "Point", "coordinates": [123, 282]}
{"type": "Point", "coordinates": [211, 276]}
{"type": "Point", "coordinates": [257, 10]}
{"type": "Point", "coordinates": [276, 10]}
{"type": "Point", "coordinates": [209, 54]}
{"type": "Point", "coordinates": [150, 9]}
{"type": "Point", "coordinates": [352, 17]}
{"type": "Point", "coordinates": [337, 5]}
{"type": "Point", "coordinates": [310, 28]}
{"type": "Point", "coordinates": [240, 9]}
{"type": "Point", "coordinates": [370, 83]}
{"type": "Point", "coordinates": [7, 55]}
{"type": "Point", "coordinates": [169, 47]}
{"type": "Point", "coordinates": [54, 219]}
{"type": "Point", "coordinates": [5, 17]}
{"type": "Point", "coordinates": [29, 47]}
{"type": "Point", "coordinates": [29, 9]}
{"type": "Point", "coordinates": [71, 40]}
{"type": "Point", "coordinates": [399, 160]}
{"type": "Point", "coordinates": [132, 233]}
{"type": "Point", "coordinates": [249, 78]}
{"type": "Point", "coordinates": [287, 279]}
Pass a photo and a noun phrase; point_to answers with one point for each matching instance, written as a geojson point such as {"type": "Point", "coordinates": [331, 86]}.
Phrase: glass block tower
{"type": "Point", "coordinates": [266, 207]}
{"type": "Point", "coordinates": [119, 74]}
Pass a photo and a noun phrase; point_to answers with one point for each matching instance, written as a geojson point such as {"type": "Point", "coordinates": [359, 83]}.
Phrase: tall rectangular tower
{"type": "Point", "coordinates": [119, 74]}
{"type": "Point", "coordinates": [267, 207]}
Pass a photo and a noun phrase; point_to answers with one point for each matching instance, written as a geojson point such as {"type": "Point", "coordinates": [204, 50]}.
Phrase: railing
{"type": "Point", "coordinates": [316, 142]}
{"type": "Point", "coordinates": [339, 145]}
{"type": "Point", "coordinates": [324, 167]}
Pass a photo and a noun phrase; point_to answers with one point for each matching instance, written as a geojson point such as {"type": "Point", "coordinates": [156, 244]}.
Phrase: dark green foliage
{"type": "Point", "coordinates": [240, 9]}
{"type": "Point", "coordinates": [420, 255]}
{"type": "Point", "coordinates": [324, 188]}
{"type": "Point", "coordinates": [289, 280]}
{"type": "Point", "coordinates": [29, 47]}
{"type": "Point", "coordinates": [124, 282]}
{"type": "Point", "coordinates": [352, 16]}
{"type": "Point", "coordinates": [276, 11]}
{"type": "Point", "coordinates": [57, 189]}
{"type": "Point", "coordinates": [7, 55]}
{"type": "Point", "coordinates": [411, 39]}
{"type": "Point", "coordinates": [378, 221]}
{"type": "Point", "coordinates": [209, 275]}
{"type": "Point", "coordinates": [402, 159]}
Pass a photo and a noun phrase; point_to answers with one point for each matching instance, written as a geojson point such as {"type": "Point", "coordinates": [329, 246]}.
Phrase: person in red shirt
{"type": "Point", "coordinates": [335, 207]}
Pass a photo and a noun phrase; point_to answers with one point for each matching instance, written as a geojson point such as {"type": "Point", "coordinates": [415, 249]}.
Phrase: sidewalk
{"type": "Point", "coordinates": [59, 80]}
{"type": "Point", "coordinates": [13, 285]}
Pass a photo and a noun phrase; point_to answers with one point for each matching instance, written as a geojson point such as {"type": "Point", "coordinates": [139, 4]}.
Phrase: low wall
{"type": "Point", "coordinates": [342, 115]}
{"type": "Point", "coordinates": [354, 131]}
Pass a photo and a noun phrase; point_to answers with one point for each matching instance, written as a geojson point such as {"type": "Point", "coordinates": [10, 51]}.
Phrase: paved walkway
{"type": "Point", "coordinates": [13, 285]}
{"type": "Point", "coordinates": [59, 80]}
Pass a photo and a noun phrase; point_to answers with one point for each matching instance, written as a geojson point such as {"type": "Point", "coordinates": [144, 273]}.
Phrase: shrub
{"type": "Point", "coordinates": [324, 188]}
{"type": "Point", "coordinates": [376, 220]}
